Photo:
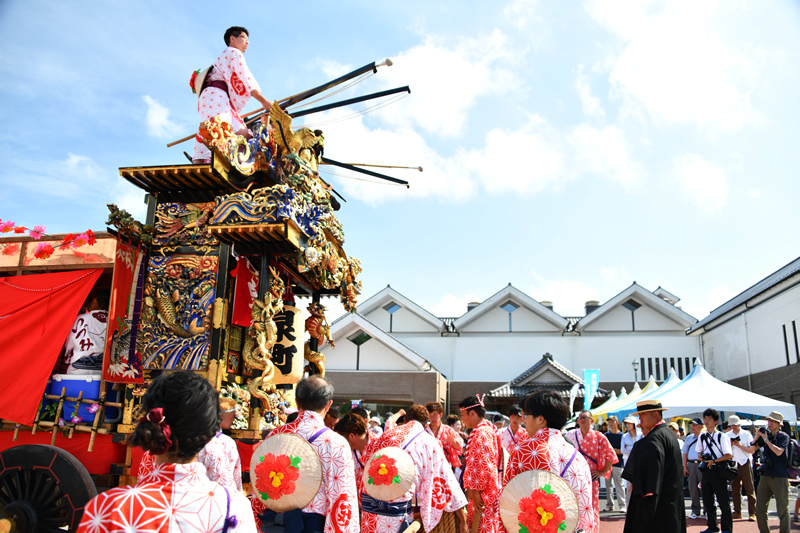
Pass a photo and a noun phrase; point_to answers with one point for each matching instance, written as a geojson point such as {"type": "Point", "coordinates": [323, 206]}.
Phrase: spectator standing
{"type": "Point", "coordinates": [514, 433]}
{"type": "Point", "coordinates": [741, 440]}
{"type": "Point", "coordinates": [715, 447]}
{"type": "Point", "coordinates": [630, 438]}
{"type": "Point", "coordinates": [655, 473]}
{"type": "Point", "coordinates": [676, 429]}
{"type": "Point", "coordinates": [691, 466]}
{"type": "Point", "coordinates": [331, 417]}
{"type": "Point", "coordinates": [599, 454]}
{"type": "Point", "coordinates": [375, 428]}
{"type": "Point", "coordinates": [774, 472]}
{"type": "Point", "coordinates": [614, 436]}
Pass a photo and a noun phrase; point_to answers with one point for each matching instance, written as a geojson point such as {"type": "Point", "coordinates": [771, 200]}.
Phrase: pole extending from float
{"type": "Point", "coordinates": [350, 101]}
{"type": "Point", "coordinates": [299, 97]}
{"type": "Point", "coordinates": [327, 161]}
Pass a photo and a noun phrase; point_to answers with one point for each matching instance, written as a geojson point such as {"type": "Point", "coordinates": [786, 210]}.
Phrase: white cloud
{"type": "Point", "coordinates": [130, 198]}
{"type": "Point", "coordinates": [447, 76]}
{"type": "Point", "coordinates": [453, 306]}
{"type": "Point", "coordinates": [604, 152]}
{"type": "Point", "coordinates": [701, 182]}
{"type": "Point", "coordinates": [521, 13]}
{"type": "Point", "coordinates": [158, 123]}
{"type": "Point", "coordinates": [568, 296]}
{"type": "Point", "coordinates": [591, 104]}
{"type": "Point", "coordinates": [684, 63]}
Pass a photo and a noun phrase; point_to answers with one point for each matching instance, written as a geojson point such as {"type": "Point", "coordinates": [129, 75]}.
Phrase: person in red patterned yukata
{"type": "Point", "coordinates": [512, 435]}
{"type": "Point", "coordinates": [484, 462]}
{"type": "Point", "coordinates": [435, 488]}
{"type": "Point", "coordinates": [598, 452]}
{"type": "Point", "coordinates": [449, 439]}
{"type": "Point", "coordinates": [546, 412]}
{"type": "Point", "coordinates": [335, 507]}
{"type": "Point", "coordinates": [182, 417]}
{"type": "Point", "coordinates": [227, 90]}
{"type": "Point", "coordinates": [353, 428]}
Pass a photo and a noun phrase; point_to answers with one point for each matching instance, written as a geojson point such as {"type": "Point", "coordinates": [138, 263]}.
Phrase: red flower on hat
{"type": "Point", "coordinates": [383, 471]}
{"type": "Point", "coordinates": [276, 475]}
{"type": "Point", "coordinates": [541, 512]}
{"type": "Point", "coordinates": [191, 81]}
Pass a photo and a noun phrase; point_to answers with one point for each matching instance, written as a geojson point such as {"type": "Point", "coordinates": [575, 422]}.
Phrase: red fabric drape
{"type": "Point", "coordinates": [36, 314]}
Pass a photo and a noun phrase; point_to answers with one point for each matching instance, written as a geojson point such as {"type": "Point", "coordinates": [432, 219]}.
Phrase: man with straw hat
{"type": "Point", "coordinates": [483, 469]}
{"type": "Point", "coordinates": [545, 412]}
{"type": "Point", "coordinates": [225, 89]}
{"type": "Point", "coordinates": [656, 471]}
{"type": "Point", "coordinates": [335, 504]}
{"type": "Point", "coordinates": [432, 484]}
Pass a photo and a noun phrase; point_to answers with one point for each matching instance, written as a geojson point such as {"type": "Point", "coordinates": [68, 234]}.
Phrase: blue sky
{"type": "Point", "coordinates": [569, 148]}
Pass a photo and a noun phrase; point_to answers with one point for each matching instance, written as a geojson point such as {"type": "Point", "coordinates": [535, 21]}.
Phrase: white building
{"type": "Point", "coordinates": [752, 341]}
{"type": "Point", "coordinates": [499, 339]}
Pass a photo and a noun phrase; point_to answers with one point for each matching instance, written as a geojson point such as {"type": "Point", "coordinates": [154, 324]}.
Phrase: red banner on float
{"type": "Point", "coordinates": [246, 291]}
{"type": "Point", "coordinates": [122, 362]}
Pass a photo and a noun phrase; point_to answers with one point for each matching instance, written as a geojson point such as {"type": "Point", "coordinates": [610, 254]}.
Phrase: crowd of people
{"type": "Point", "coordinates": [190, 476]}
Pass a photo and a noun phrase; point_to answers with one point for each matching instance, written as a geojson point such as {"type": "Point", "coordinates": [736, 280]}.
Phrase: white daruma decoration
{"type": "Point", "coordinates": [286, 472]}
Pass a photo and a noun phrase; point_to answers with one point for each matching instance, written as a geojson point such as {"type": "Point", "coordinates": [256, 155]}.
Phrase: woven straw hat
{"type": "Point", "coordinates": [286, 472]}
{"type": "Point", "coordinates": [388, 474]}
{"type": "Point", "coordinates": [199, 79]}
{"type": "Point", "coordinates": [538, 495]}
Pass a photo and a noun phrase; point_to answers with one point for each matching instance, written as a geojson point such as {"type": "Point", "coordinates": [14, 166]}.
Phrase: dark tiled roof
{"type": "Point", "coordinates": [508, 391]}
{"type": "Point", "coordinates": [765, 284]}
{"type": "Point", "coordinates": [545, 360]}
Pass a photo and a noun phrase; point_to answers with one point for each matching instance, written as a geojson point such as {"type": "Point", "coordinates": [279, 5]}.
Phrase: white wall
{"type": "Point", "coordinates": [374, 356]}
{"type": "Point", "coordinates": [522, 320]}
{"type": "Point", "coordinates": [754, 338]}
{"type": "Point", "coordinates": [403, 321]}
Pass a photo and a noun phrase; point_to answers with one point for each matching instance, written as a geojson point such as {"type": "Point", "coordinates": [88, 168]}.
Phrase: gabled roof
{"type": "Point", "coordinates": [349, 323]}
{"type": "Point", "coordinates": [511, 293]}
{"type": "Point", "coordinates": [526, 382]}
{"type": "Point", "coordinates": [666, 295]}
{"type": "Point", "coordinates": [678, 315]}
{"type": "Point", "coordinates": [779, 276]}
{"type": "Point", "coordinates": [387, 295]}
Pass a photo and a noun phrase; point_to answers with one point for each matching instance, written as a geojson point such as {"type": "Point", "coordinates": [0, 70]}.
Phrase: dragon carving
{"type": "Point", "coordinates": [317, 326]}
{"type": "Point", "coordinates": [257, 350]}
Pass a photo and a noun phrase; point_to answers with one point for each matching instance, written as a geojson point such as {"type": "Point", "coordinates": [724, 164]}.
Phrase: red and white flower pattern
{"type": "Point", "coordinates": [482, 473]}
{"type": "Point", "coordinates": [548, 450]}
{"type": "Point", "coordinates": [231, 68]}
{"type": "Point", "coordinates": [452, 452]}
{"type": "Point", "coordinates": [597, 450]}
{"type": "Point", "coordinates": [435, 487]}
{"type": "Point", "coordinates": [510, 439]}
{"type": "Point", "coordinates": [171, 498]}
{"type": "Point", "coordinates": [336, 499]}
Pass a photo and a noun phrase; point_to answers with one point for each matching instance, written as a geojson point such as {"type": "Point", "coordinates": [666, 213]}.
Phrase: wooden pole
{"type": "Point", "coordinates": [58, 415]}
{"type": "Point", "coordinates": [77, 406]}
{"type": "Point", "coordinates": [100, 412]}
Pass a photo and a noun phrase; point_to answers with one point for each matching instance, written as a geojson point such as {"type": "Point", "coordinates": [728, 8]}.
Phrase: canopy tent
{"type": "Point", "coordinates": [700, 390]}
{"type": "Point", "coordinates": [603, 409]}
{"type": "Point", "coordinates": [634, 396]}
{"type": "Point", "coordinates": [629, 407]}
{"type": "Point", "coordinates": [611, 399]}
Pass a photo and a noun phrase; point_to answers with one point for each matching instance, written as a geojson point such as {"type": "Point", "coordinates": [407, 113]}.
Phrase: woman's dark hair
{"type": "Point", "coordinates": [515, 410]}
{"type": "Point", "coordinates": [360, 411]}
{"type": "Point", "coordinates": [349, 424]}
{"type": "Point", "coordinates": [549, 404]}
{"type": "Point", "coordinates": [471, 402]}
{"type": "Point", "coordinates": [313, 393]}
{"type": "Point", "coordinates": [292, 417]}
{"type": "Point", "coordinates": [190, 408]}
{"type": "Point", "coordinates": [452, 419]}
{"type": "Point", "coordinates": [713, 413]}
{"type": "Point", "coordinates": [417, 412]}
{"type": "Point", "coordinates": [333, 412]}
{"type": "Point", "coordinates": [234, 31]}
{"type": "Point", "coordinates": [434, 406]}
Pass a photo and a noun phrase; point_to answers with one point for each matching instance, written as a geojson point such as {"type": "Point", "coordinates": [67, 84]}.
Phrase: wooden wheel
{"type": "Point", "coordinates": [42, 489]}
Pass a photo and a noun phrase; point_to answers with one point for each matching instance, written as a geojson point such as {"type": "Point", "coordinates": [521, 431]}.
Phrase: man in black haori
{"type": "Point", "coordinates": [655, 469]}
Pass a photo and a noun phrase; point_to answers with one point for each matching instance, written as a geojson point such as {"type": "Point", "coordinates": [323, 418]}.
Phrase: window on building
{"type": "Point", "coordinates": [632, 306]}
{"type": "Point", "coordinates": [391, 308]}
{"type": "Point", "coordinates": [509, 307]}
{"type": "Point", "coordinates": [358, 338]}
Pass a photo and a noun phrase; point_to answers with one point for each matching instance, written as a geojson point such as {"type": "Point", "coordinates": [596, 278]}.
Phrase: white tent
{"type": "Point", "coordinates": [700, 390]}
{"type": "Point", "coordinates": [623, 410]}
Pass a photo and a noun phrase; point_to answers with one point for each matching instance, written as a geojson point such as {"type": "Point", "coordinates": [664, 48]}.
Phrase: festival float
{"type": "Point", "coordinates": [208, 282]}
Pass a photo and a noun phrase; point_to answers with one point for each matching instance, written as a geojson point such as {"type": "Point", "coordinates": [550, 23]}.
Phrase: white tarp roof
{"type": "Point", "coordinates": [700, 390]}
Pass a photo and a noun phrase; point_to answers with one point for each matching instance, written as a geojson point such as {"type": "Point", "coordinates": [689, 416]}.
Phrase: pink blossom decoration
{"type": "Point", "coordinates": [6, 227]}
{"type": "Point", "coordinates": [36, 232]}
{"type": "Point", "coordinates": [80, 240]}
{"type": "Point", "coordinates": [61, 422]}
{"type": "Point", "coordinates": [76, 420]}
{"type": "Point", "coordinates": [94, 408]}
